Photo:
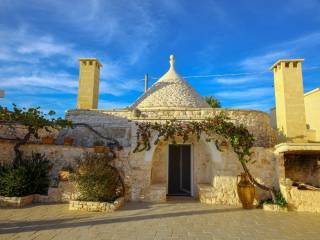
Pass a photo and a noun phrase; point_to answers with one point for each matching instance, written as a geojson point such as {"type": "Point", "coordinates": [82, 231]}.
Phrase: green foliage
{"type": "Point", "coordinates": [279, 200]}
{"type": "Point", "coordinates": [97, 180]}
{"type": "Point", "coordinates": [213, 101]}
{"type": "Point", "coordinates": [30, 176]}
{"type": "Point", "coordinates": [32, 118]}
{"type": "Point", "coordinates": [239, 137]}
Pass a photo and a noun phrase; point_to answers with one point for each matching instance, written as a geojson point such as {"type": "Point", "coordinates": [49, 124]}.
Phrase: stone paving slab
{"type": "Point", "coordinates": [172, 220]}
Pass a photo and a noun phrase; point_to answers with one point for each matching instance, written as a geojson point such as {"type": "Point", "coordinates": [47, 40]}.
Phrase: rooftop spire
{"type": "Point", "coordinates": [172, 60]}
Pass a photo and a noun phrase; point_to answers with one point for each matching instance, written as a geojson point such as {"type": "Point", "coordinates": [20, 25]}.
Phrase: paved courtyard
{"type": "Point", "coordinates": [172, 220]}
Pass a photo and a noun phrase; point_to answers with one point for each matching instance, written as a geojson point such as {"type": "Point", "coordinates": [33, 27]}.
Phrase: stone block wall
{"type": "Point", "coordinates": [96, 206]}
{"type": "Point", "coordinates": [117, 123]}
{"type": "Point", "coordinates": [223, 187]}
{"type": "Point", "coordinates": [217, 170]}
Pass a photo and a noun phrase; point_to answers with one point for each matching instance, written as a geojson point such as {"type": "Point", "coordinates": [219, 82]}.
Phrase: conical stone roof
{"type": "Point", "coordinates": [170, 91]}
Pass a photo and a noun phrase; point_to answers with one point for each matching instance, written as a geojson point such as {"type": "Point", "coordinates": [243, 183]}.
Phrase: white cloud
{"type": "Point", "coordinates": [44, 46]}
{"type": "Point", "coordinates": [289, 49]}
{"type": "Point", "coordinates": [120, 87]}
{"type": "Point", "coordinates": [245, 93]}
{"type": "Point", "coordinates": [263, 62]}
{"type": "Point", "coordinates": [235, 80]}
{"type": "Point", "coordinates": [59, 82]}
{"type": "Point", "coordinates": [129, 25]}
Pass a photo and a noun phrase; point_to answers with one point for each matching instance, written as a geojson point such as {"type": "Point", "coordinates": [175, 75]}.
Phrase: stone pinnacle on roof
{"type": "Point", "coordinates": [170, 91]}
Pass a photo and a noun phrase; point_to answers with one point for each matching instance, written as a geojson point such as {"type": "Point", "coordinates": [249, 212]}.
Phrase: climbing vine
{"type": "Point", "coordinates": [239, 137]}
{"type": "Point", "coordinates": [218, 129]}
{"type": "Point", "coordinates": [33, 119]}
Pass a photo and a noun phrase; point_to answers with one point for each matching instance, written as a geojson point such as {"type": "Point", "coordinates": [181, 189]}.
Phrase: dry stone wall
{"type": "Point", "coordinates": [117, 123]}
{"type": "Point", "coordinates": [218, 172]}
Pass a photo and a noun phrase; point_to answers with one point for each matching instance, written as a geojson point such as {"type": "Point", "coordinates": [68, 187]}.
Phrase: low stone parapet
{"type": "Point", "coordinates": [96, 206]}
{"type": "Point", "coordinates": [16, 201]}
{"type": "Point", "coordinates": [301, 200]}
{"type": "Point", "coordinates": [225, 192]}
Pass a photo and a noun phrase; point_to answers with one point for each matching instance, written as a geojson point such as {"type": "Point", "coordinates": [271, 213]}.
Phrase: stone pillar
{"type": "Point", "coordinates": [89, 76]}
{"type": "Point", "coordinates": [289, 96]}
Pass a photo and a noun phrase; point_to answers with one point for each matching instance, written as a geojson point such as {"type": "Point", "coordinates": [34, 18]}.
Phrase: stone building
{"type": "Point", "coordinates": [196, 168]}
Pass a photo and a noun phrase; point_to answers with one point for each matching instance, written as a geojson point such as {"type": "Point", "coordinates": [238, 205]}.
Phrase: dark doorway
{"type": "Point", "coordinates": [179, 180]}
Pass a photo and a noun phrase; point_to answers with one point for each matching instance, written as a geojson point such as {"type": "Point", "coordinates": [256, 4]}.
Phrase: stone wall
{"type": "Point", "coordinates": [96, 206]}
{"type": "Point", "coordinates": [301, 200]}
{"type": "Point", "coordinates": [59, 155]}
{"type": "Point", "coordinates": [223, 186]}
{"type": "Point", "coordinates": [117, 123]}
{"type": "Point", "coordinates": [145, 173]}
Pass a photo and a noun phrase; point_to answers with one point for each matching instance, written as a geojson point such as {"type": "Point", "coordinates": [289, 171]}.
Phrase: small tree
{"type": "Point", "coordinates": [213, 101]}
{"type": "Point", "coordinates": [33, 120]}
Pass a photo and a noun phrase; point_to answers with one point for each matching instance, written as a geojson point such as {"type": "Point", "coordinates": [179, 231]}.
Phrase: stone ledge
{"type": "Point", "coordinates": [96, 206]}
{"type": "Point", "coordinates": [274, 208]}
{"type": "Point", "coordinates": [297, 147]}
{"type": "Point", "coordinates": [16, 201]}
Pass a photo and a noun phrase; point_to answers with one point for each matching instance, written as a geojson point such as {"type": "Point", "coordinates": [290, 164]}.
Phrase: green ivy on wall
{"type": "Point", "coordinates": [239, 137]}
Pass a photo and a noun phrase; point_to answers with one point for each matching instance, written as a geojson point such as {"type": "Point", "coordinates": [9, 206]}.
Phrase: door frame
{"type": "Point", "coordinates": [191, 166]}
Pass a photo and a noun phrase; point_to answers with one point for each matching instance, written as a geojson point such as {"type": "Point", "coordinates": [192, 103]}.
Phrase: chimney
{"type": "Point", "coordinates": [289, 97]}
{"type": "Point", "coordinates": [89, 75]}
{"type": "Point", "coordinates": [146, 79]}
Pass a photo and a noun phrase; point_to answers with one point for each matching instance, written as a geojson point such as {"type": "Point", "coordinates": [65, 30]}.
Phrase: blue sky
{"type": "Point", "coordinates": [41, 41]}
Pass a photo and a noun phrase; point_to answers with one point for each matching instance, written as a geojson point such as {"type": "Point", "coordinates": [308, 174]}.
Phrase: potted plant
{"type": "Point", "coordinates": [68, 141]}
{"type": "Point", "coordinates": [64, 173]}
{"type": "Point", "coordinates": [99, 146]}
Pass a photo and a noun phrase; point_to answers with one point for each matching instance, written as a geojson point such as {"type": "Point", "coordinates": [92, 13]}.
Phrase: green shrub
{"type": "Point", "coordinates": [29, 176]}
{"type": "Point", "coordinates": [280, 200]}
{"type": "Point", "coordinates": [97, 180]}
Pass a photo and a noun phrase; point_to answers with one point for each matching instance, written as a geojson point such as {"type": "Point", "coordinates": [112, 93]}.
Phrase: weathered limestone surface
{"type": "Point", "coordinates": [223, 187]}
{"type": "Point", "coordinates": [171, 90]}
{"type": "Point", "coordinates": [155, 193]}
{"type": "Point", "coordinates": [96, 206]}
{"type": "Point", "coordinates": [16, 201]}
{"type": "Point", "coordinates": [144, 171]}
{"type": "Point", "coordinates": [59, 155]}
{"type": "Point", "coordinates": [274, 208]}
{"type": "Point", "coordinates": [118, 123]}
{"type": "Point", "coordinates": [301, 200]}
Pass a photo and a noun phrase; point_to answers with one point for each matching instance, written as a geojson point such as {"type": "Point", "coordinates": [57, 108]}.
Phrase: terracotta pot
{"type": "Point", "coordinates": [48, 140]}
{"type": "Point", "coordinates": [68, 141]}
{"type": "Point", "coordinates": [246, 191]}
{"type": "Point", "coordinates": [99, 149]}
{"type": "Point", "coordinates": [64, 175]}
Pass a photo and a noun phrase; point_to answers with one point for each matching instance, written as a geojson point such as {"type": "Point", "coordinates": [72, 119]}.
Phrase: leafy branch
{"type": "Point", "coordinates": [33, 120]}
{"type": "Point", "coordinates": [238, 136]}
